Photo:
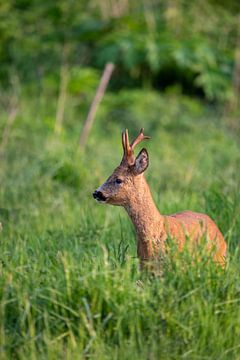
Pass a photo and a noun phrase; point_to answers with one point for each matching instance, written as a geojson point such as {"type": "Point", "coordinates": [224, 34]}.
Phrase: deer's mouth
{"type": "Point", "coordinates": [98, 195]}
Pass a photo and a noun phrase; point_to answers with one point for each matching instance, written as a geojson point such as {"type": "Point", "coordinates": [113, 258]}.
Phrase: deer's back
{"type": "Point", "coordinates": [196, 226]}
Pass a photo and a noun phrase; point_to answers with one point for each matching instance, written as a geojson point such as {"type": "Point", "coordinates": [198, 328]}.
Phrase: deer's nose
{"type": "Point", "coordinates": [98, 195]}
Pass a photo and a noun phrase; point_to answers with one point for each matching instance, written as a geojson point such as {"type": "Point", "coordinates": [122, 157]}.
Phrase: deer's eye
{"type": "Point", "coordinates": [118, 181]}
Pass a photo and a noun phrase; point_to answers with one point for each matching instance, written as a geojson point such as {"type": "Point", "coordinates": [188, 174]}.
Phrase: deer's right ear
{"type": "Point", "coordinates": [141, 162]}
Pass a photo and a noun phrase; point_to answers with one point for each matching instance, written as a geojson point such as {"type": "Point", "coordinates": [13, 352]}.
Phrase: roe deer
{"type": "Point", "coordinates": [127, 187]}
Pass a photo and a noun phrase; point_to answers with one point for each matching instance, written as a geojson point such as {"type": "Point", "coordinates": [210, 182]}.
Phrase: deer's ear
{"type": "Point", "coordinates": [141, 162]}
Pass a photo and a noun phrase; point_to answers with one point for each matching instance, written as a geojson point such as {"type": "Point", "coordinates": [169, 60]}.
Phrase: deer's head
{"type": "Point", "coordinates": [124, 181]}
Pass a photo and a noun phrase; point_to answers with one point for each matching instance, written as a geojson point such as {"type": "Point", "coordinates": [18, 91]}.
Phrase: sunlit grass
{"type": "Point", "coordinates": [70, 284]}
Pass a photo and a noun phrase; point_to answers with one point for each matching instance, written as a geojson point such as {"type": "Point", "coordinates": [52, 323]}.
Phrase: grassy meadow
{"type": "Point", "coordinates": [70, 285]}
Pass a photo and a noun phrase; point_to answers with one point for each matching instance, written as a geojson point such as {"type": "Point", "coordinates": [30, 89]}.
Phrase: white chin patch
{"type": "Point", "coordinates": [102, 202]}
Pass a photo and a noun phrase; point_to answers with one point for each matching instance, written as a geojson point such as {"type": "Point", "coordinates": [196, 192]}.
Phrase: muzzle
{"type": "Point", "coordinates": [98, 195]}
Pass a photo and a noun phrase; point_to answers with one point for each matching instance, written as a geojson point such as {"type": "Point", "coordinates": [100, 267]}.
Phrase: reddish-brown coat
{"type": "Point", "coordinates": [153, 228]}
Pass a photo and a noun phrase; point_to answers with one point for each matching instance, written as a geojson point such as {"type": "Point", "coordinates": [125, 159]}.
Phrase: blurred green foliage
{"type": "Point", "coordinates": [70, 285]}
{"type": "Point", "coordinates": [153, 43]}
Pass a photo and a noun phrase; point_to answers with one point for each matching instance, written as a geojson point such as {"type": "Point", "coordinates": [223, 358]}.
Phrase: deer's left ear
{"type": "Point", "coordinates": [141, 162]}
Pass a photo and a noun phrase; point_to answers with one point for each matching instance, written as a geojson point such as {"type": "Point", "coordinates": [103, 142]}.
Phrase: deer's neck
{"type": "Point", "coordinates": [146, 219]}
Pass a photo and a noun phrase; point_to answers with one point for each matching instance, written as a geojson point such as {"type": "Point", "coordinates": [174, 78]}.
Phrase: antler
{"type": "Point", "coordinates": [128, 149]}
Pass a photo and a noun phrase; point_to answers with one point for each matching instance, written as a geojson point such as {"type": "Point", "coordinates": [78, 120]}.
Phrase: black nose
{"type": "Point", "coordinates": [98, 195]}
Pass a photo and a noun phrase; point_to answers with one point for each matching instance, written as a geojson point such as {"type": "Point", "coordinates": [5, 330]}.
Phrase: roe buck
{"type": "Point", "coordinates": [127, 187]}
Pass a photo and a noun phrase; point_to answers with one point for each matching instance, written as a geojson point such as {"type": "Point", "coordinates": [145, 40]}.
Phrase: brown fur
{"type": "Point", "coordinates": [153, 228]}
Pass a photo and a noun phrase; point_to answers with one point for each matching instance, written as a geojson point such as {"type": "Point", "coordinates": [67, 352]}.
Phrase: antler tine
{"type": "Point", "coordinates": [125, 143]}
{"type": "Point", "coordinates": [138, 139]}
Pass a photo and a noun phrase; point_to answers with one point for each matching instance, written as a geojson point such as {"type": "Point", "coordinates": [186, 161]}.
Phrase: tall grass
{"type": "Point", "coordinates": [70, 284]}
